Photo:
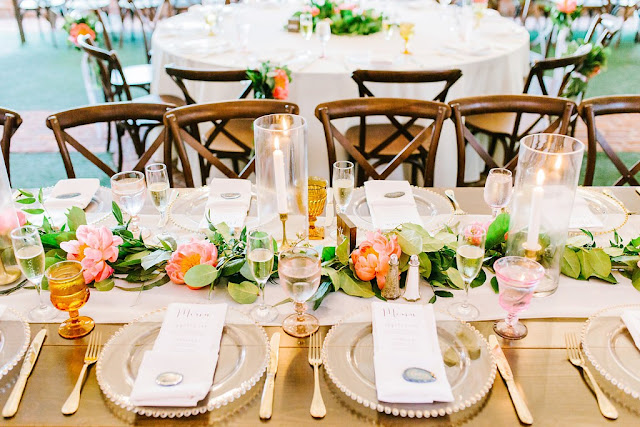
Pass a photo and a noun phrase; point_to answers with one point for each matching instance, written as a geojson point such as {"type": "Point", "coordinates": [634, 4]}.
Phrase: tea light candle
{"type": "Point", "coordinates": [281, 183]}
{"type": "Point", "coordinates": [535, 213]}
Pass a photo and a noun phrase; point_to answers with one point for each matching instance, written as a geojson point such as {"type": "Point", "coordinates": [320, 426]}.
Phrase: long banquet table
{"type": "Point", "coordinates": [554, 390]}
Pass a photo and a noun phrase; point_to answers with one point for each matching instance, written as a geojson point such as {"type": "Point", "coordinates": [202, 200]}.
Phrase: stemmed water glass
{"type": "Point", "coordinates": [323, 31]}
{"type": "Point", "coordinates": [260, 256]}
{"type": "Point", "coordinates": [498, 189]}
{"type": "Point", "coordinates": [128, 189]}
{"type": "Point", "coordinates": [29, 253]}
{"type": "Point", "coordinates": [517, 278]}
{"type": "Point", "coordinates": [299, 270]}
{"type": "Point", "coordinates": [343, 183]}
{"type": "Point", "coordinates": [158, 186]}
{"type": "Point", "coordinates": [306, 25]}
{"type": "Point", "coordinates": [469, 259]}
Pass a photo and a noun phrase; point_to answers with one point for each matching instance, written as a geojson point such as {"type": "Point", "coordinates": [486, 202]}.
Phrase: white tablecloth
{"type": "Point", "coordinates": [494, 60]}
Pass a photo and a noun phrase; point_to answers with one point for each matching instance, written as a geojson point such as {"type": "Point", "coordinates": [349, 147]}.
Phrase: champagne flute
{"type": "Point", "coordinates": [299, 270]}
{"type": "Point", "coordinates": [128, 190]}
{"type": "Point", "coordinates": [158, 186]}
{"type": "Point", "coordinates": [469, 259]}
{"type": "Point", "coordinates": [343, 183]}
{"type": "Point", "coordinates": [498, 189]}
{"type": "Point", "coordinates": [306, 25]}
{"type": "Point", "coordinates": [260, 257]}
{"type": "Point", "coordinates": [407, 30]}
{"type": "Point", "coordinates": [29, 253]}
{"type": "Point", "coordinates": [388, 27]}
{"type": "Point", "coordinates": [323, 30]}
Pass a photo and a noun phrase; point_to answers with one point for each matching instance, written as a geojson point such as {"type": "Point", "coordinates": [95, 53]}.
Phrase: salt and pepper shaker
{"type": "Point", "coordinates": [412, 285]}
{"type": "Point", "coordinates": [391, 288]}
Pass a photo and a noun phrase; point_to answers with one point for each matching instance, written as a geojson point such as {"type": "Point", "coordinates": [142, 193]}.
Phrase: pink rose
{"type": "Point", "coordinates": [93, 248]}
{"type": "Point", "coordinates": [315, 11]}
{"type": "Point", "coordinates": [475, 232]}
{"type": "Point", "coordinates": [371, 259]}
{"type": "Point", "coordinates": [188, 255]}
{"type": "Point", "coordinates": [281, 84]}
{"type": "Point", "coordinates": [567, 6]}
{"type": "Point", "coordinates": [280, 93]}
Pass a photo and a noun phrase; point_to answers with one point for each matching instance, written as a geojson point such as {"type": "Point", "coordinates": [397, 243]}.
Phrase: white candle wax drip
{"type": "Point", "coordinates": [281, 183]}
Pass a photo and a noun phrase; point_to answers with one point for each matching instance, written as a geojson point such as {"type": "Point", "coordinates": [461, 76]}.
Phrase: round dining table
{"type": "Point", "coordinates": [492, 52]}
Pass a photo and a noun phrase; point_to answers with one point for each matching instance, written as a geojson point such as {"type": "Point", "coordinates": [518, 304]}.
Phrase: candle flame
{"type": "Point", "coordinates": [558, 163]}
{"type": "Point", "coordinates": [540, 177]}
{"type": "Point", "coordinates": [276, 143]}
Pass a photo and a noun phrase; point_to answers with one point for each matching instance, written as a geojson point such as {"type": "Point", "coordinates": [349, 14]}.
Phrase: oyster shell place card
{"type": "Point", "coordinates": [179, 370]}
{"type": "Point", "coordinates": [407, 359]}
{"type": "Point", "coordinates": [391, 203]}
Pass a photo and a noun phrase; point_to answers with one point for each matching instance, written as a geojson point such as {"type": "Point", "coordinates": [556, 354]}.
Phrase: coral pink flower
{"type": "Point", "coordinates": [476, 231]}
{"type": "Point", "coordinates": [567, 6]}
{"type": "Point", "coordinates": [371, 259]}
{"type": "Point", "coordinates": [281, 80]}
{"type": "Point", "coordinates": [346, 7]}
{"type": "Point", "coordinates": [315, 11]}
{"type": "Point", "coordinates": [78, 30]}
{"type": "Point", "coordinates": [188, 255]}
{"type": "Point", "coordinates": [11, 218]}
{"type": "Point", "coordinates": [93, 248]}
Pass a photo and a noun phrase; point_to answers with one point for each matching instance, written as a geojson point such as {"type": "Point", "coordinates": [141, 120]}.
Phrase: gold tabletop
{"type": "Point", "coordinates": [554, 390]}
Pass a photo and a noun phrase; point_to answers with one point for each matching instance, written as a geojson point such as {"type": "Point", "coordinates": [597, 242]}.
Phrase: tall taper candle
{"type": "Point", "coordinates": [281, 183]}
{"type": "Point", "coordinates": [535, 213]}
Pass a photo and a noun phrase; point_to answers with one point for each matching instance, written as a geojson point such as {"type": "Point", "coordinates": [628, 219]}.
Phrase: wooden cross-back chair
{"type": "Point", "coordinates": [180, 121]}
{"type": "Point", "coordinates": [10, 122]}
{"type": "Point", "coordinates": [383, 141]}
{"type": "Point", "coordinates": [558, 110]}
{"type": "Point", "coordinates": [230, 136]}
{"type": "Point", "coordinates": [412, 109]}
{"type": "Point", "coordinates": [120, 112]}
{"type": "Point", "coordinates": [603, 28]}
{"type": "Point", "coordinates": [592, 108]}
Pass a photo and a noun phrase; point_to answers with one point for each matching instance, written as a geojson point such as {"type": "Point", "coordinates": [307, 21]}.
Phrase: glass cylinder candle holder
{"type": "Point", "coordinates": [282, 177]}
{"type": "Point", "coordinates": [10, 218]}
{"type": "Point", "coordinates": [545, 185]}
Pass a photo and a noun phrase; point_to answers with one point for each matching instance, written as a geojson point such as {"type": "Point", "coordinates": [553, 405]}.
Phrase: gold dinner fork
{"type": "Point", "coordinates": [318, 409]}
{"type": "Point", "coordinates": [90, 357]}
{"type": "Point", "coordinates": [574, 354]}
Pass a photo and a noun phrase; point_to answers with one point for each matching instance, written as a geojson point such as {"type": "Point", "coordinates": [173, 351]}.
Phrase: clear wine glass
{"type": "Point", "coordinates": [128, 190]}
{"type": "Point", "coordinates": [498, 189]}
{"type": "Point", "coordinates": [158, 186]}
{"type": "Point", "coordinates": [469, 259]}
{"type": "Point", "coordinates": [323, 31]}
{"type": "Point", "coordinates": [29, 253]}
{"type": "Point", "coordinates": [306, 25]}
{"type": "Point", "coordinates": [343, 183]}
{"type": "Point", "coordinates": [260, 256]}
{"type": "Point", "coordinates": [517, 278]}
{"type": "Point", "coordinates": [299, 270]}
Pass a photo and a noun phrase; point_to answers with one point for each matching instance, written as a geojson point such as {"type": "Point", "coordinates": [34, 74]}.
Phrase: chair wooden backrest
{"type": "Point", "coordinates": [180, 74]}
{"type": "Point", "coordinates": [413, 109]}
{"type": "Point", "coordinates": [601, 106]}
{"type": "Point", "coordinates": [123, 112]}
{"type": "Point", "coordinates": [449, 77]}
{"type": "Point", "coordinates": [108, 63]}
{"type": "Point", "coordinates": [603, 28]}
{"type": "Point", "coordinates": [560, 108]}
{"type": "Point", "coordinates": [570, 63]}
{"type": "Point", "coordinates": [10, 122]}
{"type": "Point", "coordinates": [180, 120]}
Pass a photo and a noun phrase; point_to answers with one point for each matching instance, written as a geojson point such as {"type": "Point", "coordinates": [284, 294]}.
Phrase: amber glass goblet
{"type": "Point", "coordinates": [69, 293]}
{"type": "Point", "coordinates": [407, 30]}
{"type": "Point", "coordinates": [317, 201]}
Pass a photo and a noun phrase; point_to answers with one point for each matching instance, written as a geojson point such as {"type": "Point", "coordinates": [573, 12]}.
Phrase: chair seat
{"type": "Point", "coordinates": [376, 133]}
{"type": "Point", "coordinates": [160, 99]}
{"type": "Point", "coordinates": [241, 129]}
{"type": "Point", "coordinates": [135, 75]}
{"type": "Point", "coordinates": [503, 123]}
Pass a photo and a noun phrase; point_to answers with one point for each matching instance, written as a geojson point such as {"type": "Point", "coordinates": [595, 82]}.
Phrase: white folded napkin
{"type": "Point", "coordinates": [388, 213]}
{"type": "Point", "coordinates": [405, 346]}
{"type": "Point", "coordinates": [230, 211]}
{"type": "Point", "coordinates": [188, 345]}
{"type": "Point", "coordinates": [631, 319]}
{"type": "Point", "coordinates": [582, 216]}
{"type": "Point", "coordinates": [87, 188]}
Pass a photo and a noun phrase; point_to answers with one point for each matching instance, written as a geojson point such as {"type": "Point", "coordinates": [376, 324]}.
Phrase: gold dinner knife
{"type": "Point", "coordinates": [505, 370]}
{"type": "Point", "coordinates": [266, 404]}
{"type": "Point", "coordinates": [11, 407]}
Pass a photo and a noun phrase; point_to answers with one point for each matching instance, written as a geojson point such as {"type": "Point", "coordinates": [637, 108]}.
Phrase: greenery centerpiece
{"type": "Point", "coordinates": [346, 18]}
{"type": "Point", "coordinates": [270, 81]}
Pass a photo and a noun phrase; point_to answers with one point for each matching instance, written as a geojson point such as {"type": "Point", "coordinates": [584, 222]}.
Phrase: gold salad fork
{"type": "Point", "coordinates": [318, 409]}
{"type": "Point", "coordinates": [90, 357]}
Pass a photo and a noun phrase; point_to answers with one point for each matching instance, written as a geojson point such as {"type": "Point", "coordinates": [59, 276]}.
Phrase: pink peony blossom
{"type": "Point", "coordinates": [188, 255]}
{"type": "Point", "coordinates": [371, 259]}
{"type": "Point", "coordinates": [11, 218]}
{"type": "Point", "coordinates": [476, 231]}
{"type": "Point", "coordinates": [567, 6]}
{"type": "Point", "coordinates": [281, 81]}
{"type": "Point", "coordinates": [93, 248]}
{"type": "Point", "coordinates": [80, 29]}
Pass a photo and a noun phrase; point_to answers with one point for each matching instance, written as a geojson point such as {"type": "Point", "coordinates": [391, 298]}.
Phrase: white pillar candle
{"type": "Point", "coordinates": [281, 183]}
{"type": "Point", "coordinates": [535, 213]}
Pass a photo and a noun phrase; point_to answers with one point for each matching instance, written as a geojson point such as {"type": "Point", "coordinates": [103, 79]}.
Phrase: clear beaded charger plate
{"type": "Point", "coordinates": [98, 209]}
{"type": "Point", "coordinates": [608, 210]}
{"type": "Point", "coordinates": [348, 359]}
{"type": "Point", "coordinates": [434, 209]}
{"type": "Point", "coordinates": [14, 340]}
{"type": "Point", "coordinates": [609, 347]}
{"type": "Point", "coordinates": [242, 361]}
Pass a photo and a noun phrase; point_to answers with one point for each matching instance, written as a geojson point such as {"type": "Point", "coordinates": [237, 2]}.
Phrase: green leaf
{"type": "Point", "coordinates": [133, 259]}
{"type": "Point", "coordinates": [425, 265]}
{"type": "Point", "coordinates": [579, 240]}
{"type": "Point", "coordinates": [328, 253]}
{"type": "Point", "coordinates": [433, 299]}
{"type": "Point", "coordinates": [33, 211]}
{"type": "Point", "coordinates": [342, 252]}
{"type": "Point", "coordinates": [201, 275]}
{"type": "Point", "coordinates": [154, 258]}
{"type": "Point", "coordinates": [244, 293]}
{"type": "Point", "coordinates": [455, 277]}
{"type": "Point", "coordinates": [600, 262]}
{"type": "Point", "coordinates": [497, 230]}
{"type": "Point", "coordinates": [494, 284]}
{"type": "Point", "coordinates": [570, 264]}
{"type": "Point", "coordinates": [27, 201]}
{"type": "Point", "coordinates": [613, 251]}
{"type": "Point", "coordinates": [333, 276]}
{"type": "Point", "coordinates": [434, 244]}
{"type": "Point", "coordinates": [479, 280]}
{"type": "Point", "coordinates": [323, 290]}
{"type": "Point", "coordinates": [354, 287]}
{"type": "Point", "coordinates": [232, 267]}
{"type": "Point", "coordinates": [76, 218]}
{"type": "Point", "coordinates": [445, 237]}
{"type": "Point", "coordinates": [104, 285]}
{"type": "Point", "coordinates": [443, 294]}
{"type": "Point", "coordinates": [117, 213]}
{"type": "Point", "coordinates": [410, 241]}
{"type": "Point", "coordinates": [40, 197]}
{"type": "Point", "coordinates": [585, 266]}
{"type": "Point", "coordinates": [26, 193]}
{"type": "Point", "coordinates": [224, 229]}
{"type": "Point", "coordinates": [635, 279]}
